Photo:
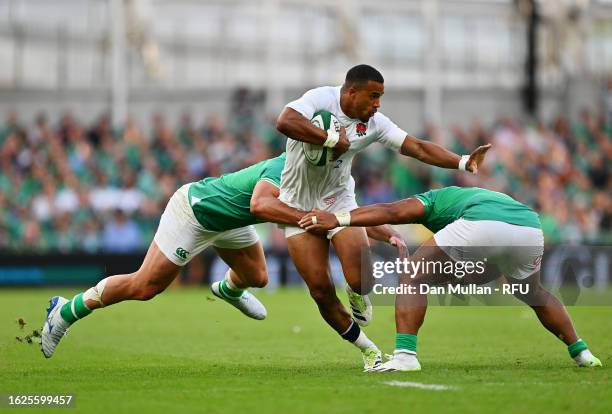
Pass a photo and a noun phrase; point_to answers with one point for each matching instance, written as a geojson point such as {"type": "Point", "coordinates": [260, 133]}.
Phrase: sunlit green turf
{"type": "Point", "coordinates": [185, 352]}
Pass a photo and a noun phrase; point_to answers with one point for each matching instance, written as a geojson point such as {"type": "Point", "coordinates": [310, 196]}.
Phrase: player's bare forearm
{"type": "Point", "coordinates": [400, 212]}
{"type": "Point", "coordinates": [405, 211]}
{"type": "Point", "coordinates": [429, 153]}
{"type": "Point", "coordinates": [266, 206]}
{"type": "Point", "coordinates": [382, 233]}
{"type": "Point", "coordinates": [272, 210]}
{"type": "Point", "coordinates": [291, 123]}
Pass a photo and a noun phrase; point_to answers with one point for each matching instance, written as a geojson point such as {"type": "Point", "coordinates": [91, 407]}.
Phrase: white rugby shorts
{"type": "Point", "coordinates": [516, 250]}
{"type": "Point", "coordinates": [180, 236]}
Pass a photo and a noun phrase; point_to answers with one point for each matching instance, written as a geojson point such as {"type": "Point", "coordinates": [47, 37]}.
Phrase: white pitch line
{"type": "Point", "coordinates": [419, 385]}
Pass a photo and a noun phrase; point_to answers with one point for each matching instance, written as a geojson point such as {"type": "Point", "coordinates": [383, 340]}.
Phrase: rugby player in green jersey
{"type": "Point", "coordinates": [218, 212]}
{"type": "Point", "coordinates": [468, 224]}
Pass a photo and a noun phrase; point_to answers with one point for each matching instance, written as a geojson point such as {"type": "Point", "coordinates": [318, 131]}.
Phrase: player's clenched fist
{"type": "Point", "coordinates": [342, 145]}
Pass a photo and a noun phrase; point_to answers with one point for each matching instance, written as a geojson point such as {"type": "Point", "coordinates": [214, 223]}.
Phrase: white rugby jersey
{"type": "Point", "coordinates": [306, 186]}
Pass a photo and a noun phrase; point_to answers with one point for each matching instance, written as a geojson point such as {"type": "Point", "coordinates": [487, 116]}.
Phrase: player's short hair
{"type": "Point", "coordinates": [360, 75]}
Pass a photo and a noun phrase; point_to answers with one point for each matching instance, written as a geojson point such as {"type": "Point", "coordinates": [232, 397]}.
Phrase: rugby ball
{"type": "Point", "coordinates": [319, 155]}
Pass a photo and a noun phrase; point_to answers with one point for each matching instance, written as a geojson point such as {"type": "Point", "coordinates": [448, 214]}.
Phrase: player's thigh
{"type": "Point", "coordinates": [178, 238]}
{"type": "Point", "coordinates": [353, 251]}
{"type": "Point", "coordinates": [249, 262]}
{"type": "Point", "coordinates": [310, 254]}
{"type": "Point", "coordinates": [156, 269]}
{"type": "Point", "coordinates": [530, 291]}
{"type": "Point", "coordinates": [430, 258]}
{"type": "Point", "coordinates": [179, 235]}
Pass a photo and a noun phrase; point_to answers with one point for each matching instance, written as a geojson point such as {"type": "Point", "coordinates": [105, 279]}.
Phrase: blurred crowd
{"type": "Point", "coordinates": [67, 187]}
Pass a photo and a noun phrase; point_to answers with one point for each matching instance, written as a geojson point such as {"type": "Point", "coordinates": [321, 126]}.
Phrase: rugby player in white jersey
{"type": "Point", "coordinates": [331, 188]}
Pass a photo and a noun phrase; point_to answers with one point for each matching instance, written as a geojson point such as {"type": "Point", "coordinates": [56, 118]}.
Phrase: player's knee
{"type": "Point", "coordinates": [147, 292]}
{"type": "Point", "coordinates": [530, 294]}
{"type": "Point", "coordinates": [360, 287]}
{"type": "Point", "coordinates": [323, 294]}
{"type": "Point", "coordinates": [144, 290]}
{"type": "Point", "coordinates": [536, 295]}
{"type": "Point", "coordinates": [255, 277]}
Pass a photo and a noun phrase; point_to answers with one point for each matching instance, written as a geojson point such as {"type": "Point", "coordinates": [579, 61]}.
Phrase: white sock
{"type": "Point", "coordinates": [231, 283]}
{"type": "Point", "coordinates": [402, 352]}
{"type": "Point", "coordinates": [363, 342]}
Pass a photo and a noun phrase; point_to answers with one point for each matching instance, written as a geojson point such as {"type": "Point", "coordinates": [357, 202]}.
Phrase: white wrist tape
{"type": "Point", "coordinates": [344, 218]}
{"type": "Point", "coordinates": [332, 138]}
{"type": "Point", "coordinates": [463, 162]}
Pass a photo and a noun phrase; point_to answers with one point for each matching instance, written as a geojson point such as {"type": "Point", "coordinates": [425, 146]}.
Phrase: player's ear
{"type": "Point", "coordinates": [351, 90]}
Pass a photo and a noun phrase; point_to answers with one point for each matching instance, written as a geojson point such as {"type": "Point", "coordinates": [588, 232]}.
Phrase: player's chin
{"type": "Point", "coordinates": [366, 117]}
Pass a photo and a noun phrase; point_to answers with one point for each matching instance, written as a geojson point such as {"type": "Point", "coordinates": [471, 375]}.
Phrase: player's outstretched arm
{"type": "Point", "coordinates": [405, 211]}
{"type": "Point", "coordinates": [266, 205]}
{"type": "Point", "coordinates": [434, 154]}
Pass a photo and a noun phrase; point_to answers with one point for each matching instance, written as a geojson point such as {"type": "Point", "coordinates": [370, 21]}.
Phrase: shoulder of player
{"type": "Point", "coordinates": [379, 118]}
{"type": "Point", "coordinates": [272, 168]}
{"type": "Point", "coordinates": [325, 91]}
{"type": "Point", "coordinates": [379, 122]}
{"type": "Point", "coordinates": [276, 163]}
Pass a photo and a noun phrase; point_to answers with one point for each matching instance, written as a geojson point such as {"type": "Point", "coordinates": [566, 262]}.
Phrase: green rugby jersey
{"type": "Point", "coordinates": [224, 203]}
{"type": "Point", "coordinates": [448, 204]}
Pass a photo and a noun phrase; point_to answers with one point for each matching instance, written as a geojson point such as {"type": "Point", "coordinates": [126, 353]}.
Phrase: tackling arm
{"type": "Point", "coordinates": [404, 211]}
{"type": "Point", "coordinates": [266, 205]}
{"type": "Point", "coordinates": [409, 210]}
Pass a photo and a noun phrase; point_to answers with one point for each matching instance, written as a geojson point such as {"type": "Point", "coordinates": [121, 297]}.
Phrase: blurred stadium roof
{"type": "Point", "coordinates": [123, 48]}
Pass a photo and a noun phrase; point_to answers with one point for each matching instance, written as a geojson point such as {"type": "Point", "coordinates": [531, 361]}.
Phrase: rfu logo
{"type": "Point", "coordinates": [361, 129]}
{"type": "Point", "coordinates": [182, 253]}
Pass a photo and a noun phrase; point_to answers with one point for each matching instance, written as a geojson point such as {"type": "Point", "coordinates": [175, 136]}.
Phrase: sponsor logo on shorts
{"type": "Point", "coordinates": [182, 253]}
{"type": "Point", "coordinates": [329, 200]}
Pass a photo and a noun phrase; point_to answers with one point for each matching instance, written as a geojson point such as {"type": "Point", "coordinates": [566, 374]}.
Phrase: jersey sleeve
{"type": "Point", "coordinates": [312, 101]}
{"type": "Point", "coordinates": [427, 199]}
{"type": "Point", "coordinates": [389, 134]}
{"type": "Point", "coordinates": [272, 171]}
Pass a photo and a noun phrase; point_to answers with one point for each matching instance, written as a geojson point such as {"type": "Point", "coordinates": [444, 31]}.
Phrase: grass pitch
{"type": "Point", "coordinates": [187, 352]}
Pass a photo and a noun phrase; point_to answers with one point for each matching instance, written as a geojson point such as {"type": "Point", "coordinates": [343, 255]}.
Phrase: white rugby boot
{"type": "Point", "coordinates": [247, 303]}
{"type": "Point", "coordinates": [400, 361]}
{"type": "Point", "coordinates": [55, 326]}
{"type": "Point", "coordinates": [361, 307]}
{"type": "Point", "coordinates": [587, 359]}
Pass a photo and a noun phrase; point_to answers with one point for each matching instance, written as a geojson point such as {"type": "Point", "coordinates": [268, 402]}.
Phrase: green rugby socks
{"type": "Point", "coordinates": [74, 309]}
{"type": "Point", "coordinates": [406, 343]}
{"type": "Point", "coordinates": [230, 292]}
{"type": "Point", "coordinates": [576, 348]}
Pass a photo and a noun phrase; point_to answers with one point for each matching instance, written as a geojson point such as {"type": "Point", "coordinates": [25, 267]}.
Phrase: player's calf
{"type": "Point", "coordinates": [554, 317]}
{"type": "Point", "coordinates": [239, 298]}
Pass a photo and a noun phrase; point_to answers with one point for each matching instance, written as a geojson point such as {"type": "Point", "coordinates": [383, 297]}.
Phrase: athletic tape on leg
{"type": "Point", "coordinates": [95, 293]}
